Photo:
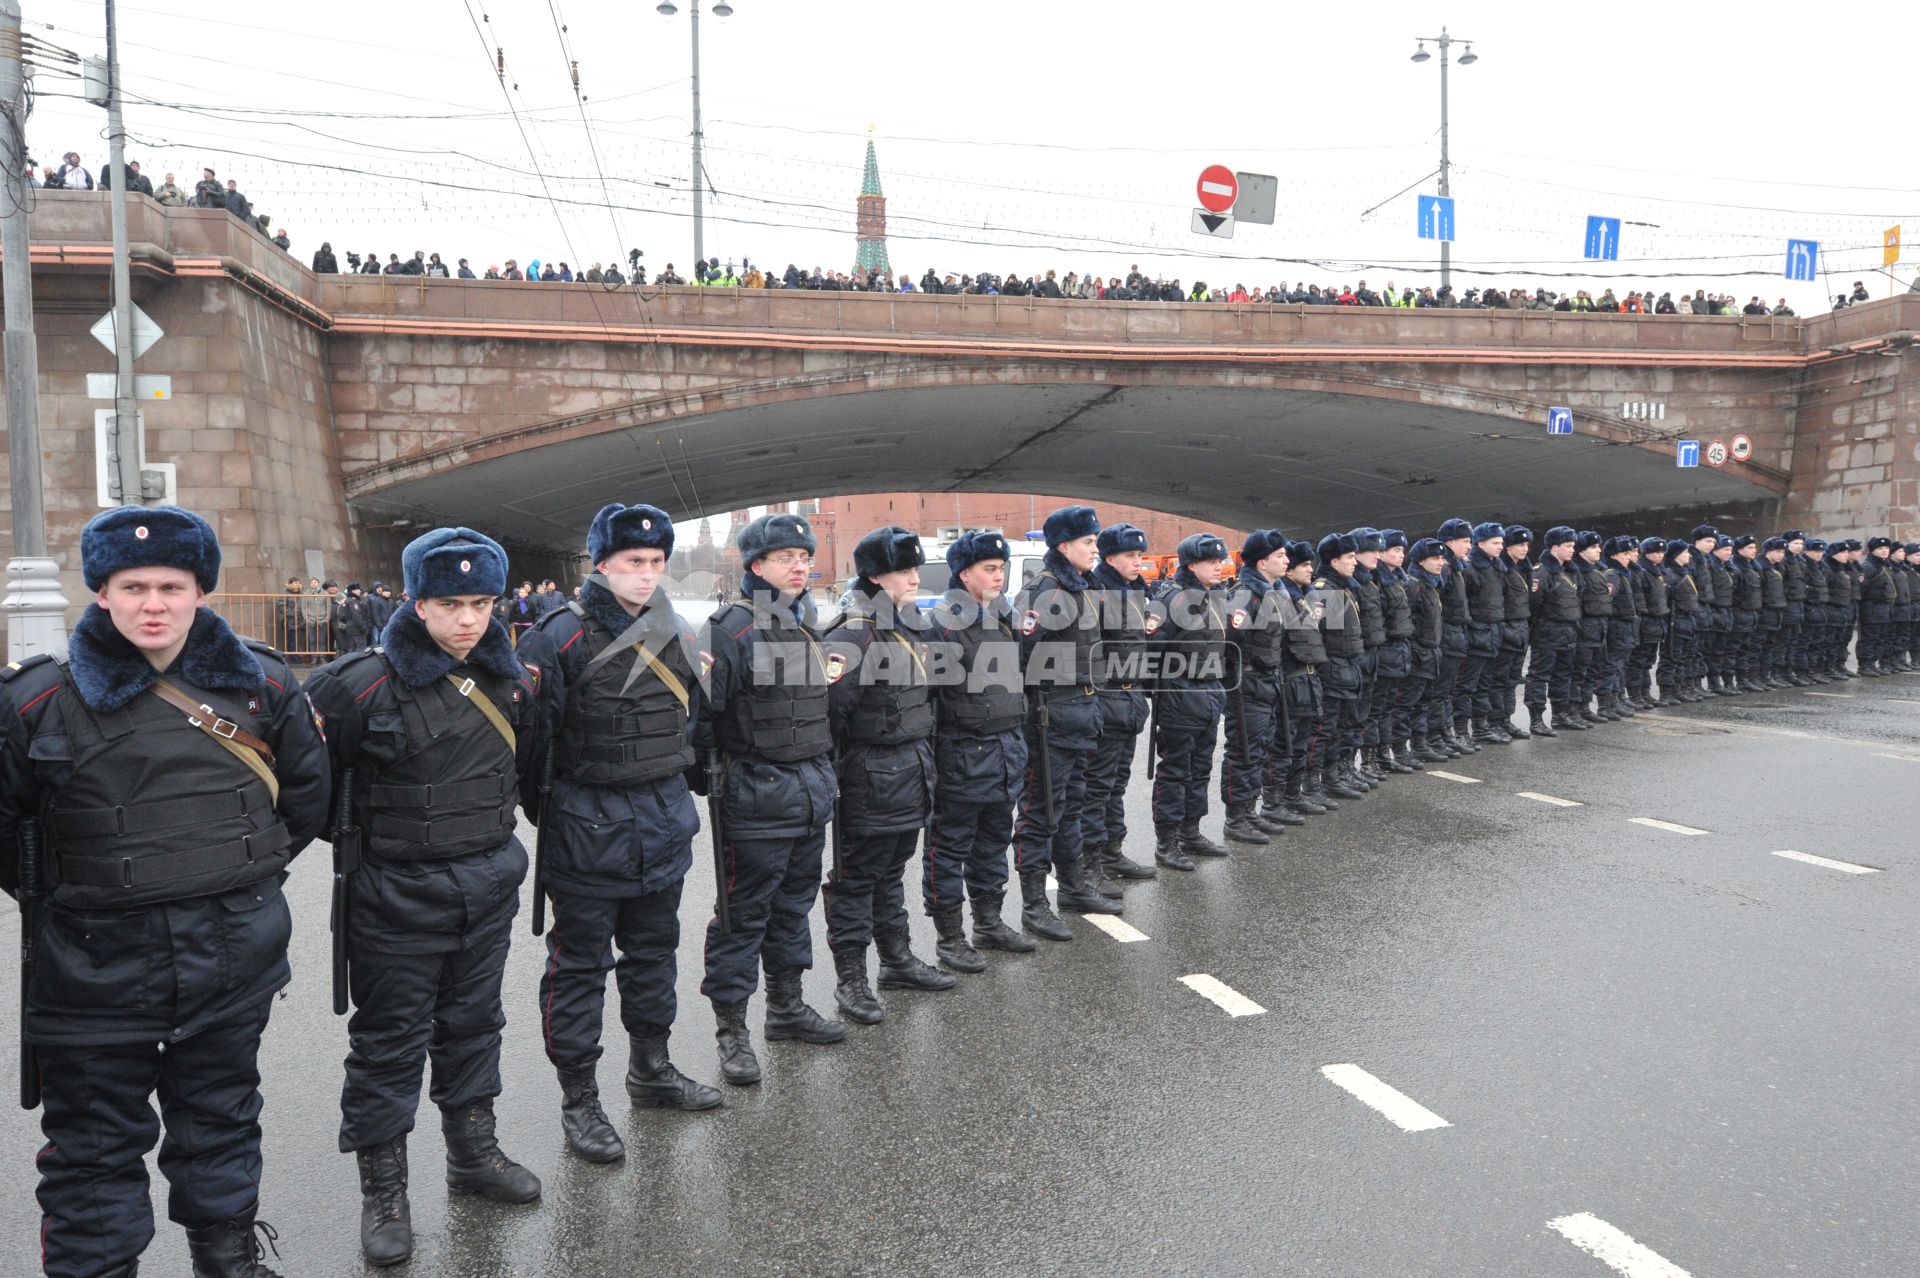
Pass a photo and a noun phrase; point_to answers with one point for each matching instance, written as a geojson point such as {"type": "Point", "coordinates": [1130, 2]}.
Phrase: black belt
{"type": "Point", "coordinates": [166, 867]}
{"type": "Point", "coordinates": [386, 825]}
{"type": "Point", "coordinates": [100, 823]}
{"type": "Point", "coordinates": [1067, 694]}
{"type": "Point", "coordinates": [427, 796]}
{"type": "Point", "coordinates": [631, 752]}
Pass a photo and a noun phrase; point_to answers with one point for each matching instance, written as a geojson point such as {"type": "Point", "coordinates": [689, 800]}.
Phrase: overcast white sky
{"type": "Point", "coordinates": [1017, 135]}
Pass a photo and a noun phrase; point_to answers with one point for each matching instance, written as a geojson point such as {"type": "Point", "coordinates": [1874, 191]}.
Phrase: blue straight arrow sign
{"type": "Point", "coordinates": [1559, 421]}
{"type": "Point", "coordinates": [1436, 217]}
{"type": "Point", "coordinates": [1686, 453]}
{"type": "Point", "coordinates": [1603, 239]}
{"type": "Point", "coordinates": [1803, 258]}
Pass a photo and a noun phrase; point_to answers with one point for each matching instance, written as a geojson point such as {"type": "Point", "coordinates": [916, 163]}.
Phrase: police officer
{"type": "Point", "coordinates": [1749, 591]}
{"type": "Point", "coordinates": [1596, 610]}
{"type": "Point", "coordinates": [1680, 668]}
{"type": "Point", "coordinates": [1820, 614]}
{"type": "Point", "coordinates": [1343, 634]}
{"type": "Point", "coordinates": [980, 751]}
{"type": "Point", "coordinates": [353, 627]}
{"type": "Point", "coordinates": [1485, 572]}
{"type": "Point", "coordinates": [434, 728]}
{"type": "Point", "coordinates": [1123, 596]}
{"type": "Point", "coordinates": [1424, 581]}
{"type": "Point", "coordinates": [1724, 659]}
{"type": "Point", "coordinates": [1256, 630]}
{"type": "Point", "coordinates": [1373, 627]}
{"type": "Point", "coordinates": [1059, 626]}
{"type": "Point", "coordinates": [1773, 610]}
{"type": "Point", "coordinates": [766, 716]}
{"type": "Point", "coordinates": [619, 686]}
{"type": "Point", "coordinates": [1516, 631]}
{"type": "Point", "coordinates": [1650, 603]}
{"type": "Point", "coordinates": [1714, 583]}
{"type": "Point", "coordinates": [1395, 686]}
{"type": "Point", "coordinates": [1456, 538]}
{"type": "Point", "coordinates": [1555, 614]}
{"type": "Point", "coordinates": [880, 706]}
{"type": "Point", "coordinates": [1623, 625]}
{"type": "Point", "coordinates": [1191, 696]}
{"type": "Point", "coordinates": [172, 770]}
{"type": "Point", "coordinates": [1304, 721]}
{"type": "Point", "coordinates": [1794, 568]}
{"type": "Point", "coordinates": [1878, 597]}
{"type": "Point", "coordinates": [1906, 611]}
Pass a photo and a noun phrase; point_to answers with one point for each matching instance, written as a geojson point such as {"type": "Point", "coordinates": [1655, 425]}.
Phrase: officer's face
{"type": "Point", "coordinates": [1749, 552]}
{"type": "Point", "coordinates": [1882, 552]}
{"type": "Point", "coordinates": [1492, 547]}
{"type": "Point", "coordinates": [1081, 552]}
{"type": "Point", "coordinates": [456, 622]}
{"type": "Point", "coordinates": [1656, 557]}
{"type": "Point", "coordinates": [1273, 567]}
{"type": "Point", "coordinates": [1432, 564]}
{"type": "Point", "coordinates": [1208, 571]}
{"type": "Point", "coordinates": [1563, 551]}
{"type": "Point", "coordinates": [153, 609]}
{"type": "Point", "coordinates": [1343, 564]}
{"type": "Point", "coordinates": [633, 575]}
{"type": "Point", "coordinates": [1369, 559]}
{"type": "Point", "coordinates": [1127, 564]}
{"type": "Point", "coordinates": [1394, 556]}
{"type": "Point", "coordinates": [1517, 551]}
{"type": "Point", "coordinates": [1591, 554]}
{"type": "Point", "coordinates": [1723, 553]}
{"type": "Point", "coordinates": [1796, 546]}
{"type": "Point", "coordinates": [1703, 544]}
{"type": "Point", "coordinates": [784, 570]}
{"type": "Point", "coordinates": [1460, 546]}
{"type": "Point", "coordinates": [1775, 556]}
{"type": "Point", "coordinates": [985, 579]}
{"type": "Point", "coordinates": [1300, 573]}
{"type": "Point", "coordinates": [900, 585]}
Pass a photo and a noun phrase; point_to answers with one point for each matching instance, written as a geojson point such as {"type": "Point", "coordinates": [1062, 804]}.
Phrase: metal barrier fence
{"type": "Point", "coordinates": [300, 626]}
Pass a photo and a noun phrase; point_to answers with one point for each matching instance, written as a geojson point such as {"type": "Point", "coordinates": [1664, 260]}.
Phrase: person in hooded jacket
{"type": "Point", "coordinates": [160, 932]}
{"type": "Point", "coordinates": [1191, 640]}
{"type": "Point", "coordinates": [980, 752]}
{"type": "Point", "coordinates": [765, 714]}
{"type": "Point", "coordinates": [880, 707]}
{"type": "Point", "coordinates": [1122, 597]}
{"type": "Point", "coordinates": [1256, 631]}
{"type": "Point", "coordinates": [619, 688]}
{"type": "Point", "coordinates": [433, 728]}
{"type": "Point", "coordinates": [1059, 627]}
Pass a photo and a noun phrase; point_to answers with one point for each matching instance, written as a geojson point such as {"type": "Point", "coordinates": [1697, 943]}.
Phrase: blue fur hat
{"type": "Point", "coordinates": [1559, 535]}
{"type": "Point", "coordinates": [1117, 539]}
{"type": "Point", "coordinates": [1489, 530]}
{"type": "Point", "coordinates": [1619, 544]}
{"type": "Point", "coordinates": [148, 537]}
{"type": "Point", "coordinates": [1519, 535]}
{"type": "Point", "coordinates": [1793, 534]}
{"type": "Point", "coordinates": [886, 550]}
{"type": "Point", "coordinates": [1816, 543]}
{"type": "Point", "coordinates": [453, 561]}
{"type": "Point", "coordinates": [1366, 539]}
{"type": "Point", "coordinates": [1427, 548]}
{"type": "Point", "coordinates": [1772, 544]}
{"type": "Point", "coordinates": [1070, 523]}
{"type": "Point", "coordinates": [1199, 548]}
{"type": "Point", "coordinates": [1675, 546]}
{"type": "Point", "coordinates": [973, 547]}
{"type": "Point", "coordinates": [1300, 552]}
{"type": "Point", "coordinates": [1454, 530]}
{"type": "Point", "coordinates": [1703, 531]}
{"type": "Point", "coordinates": [1260, 543]}
{"type": "Point", "coordinates": [1334, 545]}
{"type": "Point", "coordinates": [636, 527]}
{"type": "Point", "coordinates": [1743, 541]}
{"type": "Point", "coordinates": [769, 533]}
{"type": "Point", "coordinates": [1393, 537]}
{"type": "Point", "coordinates": [1654, 546]}
{"type": "Point", "coordinates": [1589, 538]}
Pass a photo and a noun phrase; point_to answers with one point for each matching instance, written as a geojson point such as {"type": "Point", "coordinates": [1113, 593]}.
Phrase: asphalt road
{"type": "Point", "coordinates": [1679, 1037]}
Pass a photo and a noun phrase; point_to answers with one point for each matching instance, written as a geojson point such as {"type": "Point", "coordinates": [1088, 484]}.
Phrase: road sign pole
{"type": "Point", "coordinates": [1446, 246]}
{"type": "Point", "coordinates": [126, 434]}
{"type": "Point", "coordinates": [35, 609]}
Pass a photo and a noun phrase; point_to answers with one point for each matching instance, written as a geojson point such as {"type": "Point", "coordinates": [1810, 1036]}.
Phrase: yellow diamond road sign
{"type": "Point", "coordinates": [1890, 250]}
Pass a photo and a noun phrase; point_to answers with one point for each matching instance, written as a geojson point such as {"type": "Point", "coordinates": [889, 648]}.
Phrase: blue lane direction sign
{"type": "Point", "coordinates": [1436, 217]}
{"type": "Point", "coordinates": [1803, 258]}
{"type": "Point", "coordinates": [1559, 421]}
{"type": "Point", "coordinates": [1686, 452]}
{"type": "Point", "coordinates": [1603, 239]}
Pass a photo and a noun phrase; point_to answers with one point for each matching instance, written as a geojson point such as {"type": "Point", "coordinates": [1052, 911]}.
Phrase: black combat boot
{"type": "Point", "coordinates": [585, 1124]}
{"type": "Point", "coordinates": [1362, 765]}
{"type": "Point", "coordinates": [1567, 718]}
{"type": "Point", "coordinates": [1340, 786]}
{"type": "Point", "coordinates": [953, 951]}
{"type": "Point", "coordinates": [1427, 746]}
{"type": "Point", "coordinates": [1166, 849]}
{"type": "Point", "coordinates": [990, 931]}
{"type": "Point", "coordinates": [230, 1249]}
{"type": "Point", "coordinates": [1538, 724]}
{"type": "Point", "coordinates": [1623, 706]}
{"type": "Point", "coordinates": [1194, 843]}
{"type": "Point", "coordinates": [1275, 816]}
{"type": "Point", "coordinates": [1317, 781]}
{"type": "Point", "coordinates": [738, 1064]}
{"type": "Point", "coordinates": [1093, 867]}
{"type": "Point", "coordinates": [901, 968]}
{"type": "Point", "coordinates": [1498, 727]}
{"type": "Point", "coordinates": [1035, 914]}
{"type": "Point", "coordinates": [653, 1082]}
{"type": "Point", "coordinates": [475, 1162]}
{"type": "Point", "coordinates": [853, 994]}
{"type": "Point", "coordinates": [1463, 735]}
{"type": "Point", "coordinates": [129, 1270]}
{"type": "Point", "coordinates": [1408, 753]}
{"type": "Point", "coordinates": [1242, 828]}
{"type": "Point", "coordinates": [789, 1017]}
{"type": "Point", "coordinates": [1390, 759]}
{"type": "Point", "coordinates": [1076, 893]}
{"type": "Point", "coordinates": [1603, 709]}
{"type": "Point", "coordinates": [386, 1220]}
{"type": "Point", "coordinates": [1298, 802]}
{"type": "Point", "coordinates": [1122, 867]}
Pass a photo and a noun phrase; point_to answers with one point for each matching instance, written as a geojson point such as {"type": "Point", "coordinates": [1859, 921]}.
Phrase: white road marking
{"type": "Point", "coordinates": [1400, 1109]}
{"type": "Point", "coordinates": [1844, 696]}
{"type": "Point", "coordinates": [1845, 867]}
{"type": "Point", "coordinates": [1113, 926]}
{"type": "Point", "coordinates": [1658, 824]}
{"type": "Point", "coordinates": [1617, 1250]}
{"type": "Point", "coordinates": [1230, 1000]}
{"type": "Point", "coordinates": [1548, 798]}
{"type": "Point", "coordinates": [1904, 758]}
{"type": "Point", "coordinates": [1453, 776]}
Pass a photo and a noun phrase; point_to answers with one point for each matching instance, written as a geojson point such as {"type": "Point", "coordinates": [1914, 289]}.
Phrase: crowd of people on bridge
{"type": "Point", "coordinates": [208, 193]}
{"type": "Point", "coordinates": [156, 784]}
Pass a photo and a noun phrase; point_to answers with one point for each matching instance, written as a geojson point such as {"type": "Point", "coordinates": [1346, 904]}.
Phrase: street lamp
{"type": "Point", "coordinates": [1467, 58]}
{"type": "Point", "coordinates": [721, 9]}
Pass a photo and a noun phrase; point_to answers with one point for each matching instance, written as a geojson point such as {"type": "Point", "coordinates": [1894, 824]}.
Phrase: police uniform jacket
{"type": "Point", "coordinates": [1486, 601]}
{"type": "Point", "coordinates": [1256, 627]}
{"type": "Point", "coordinates": [880, 706]}
{"type": "Point", "coordinates": [1454, 611]}
{"type": "Point", "coordinates": [1773, 588]}
{"type": "Point", "coordinates": [1557, 605]}
{"type": "Point", "coordinates": [1191, 647]}
{"type": "Point", "coordinates": [1650, 601]}
{"type": "Point", "coordinates": [620, 726]}
{"type": "Point", "coordinates": [1596, 598]}
{"type": "Point", "coordinates": [1747, 586]}
{"type": "Point", "coordinates": [435, 783]}
{"type": "Point", "coordinates": [1059, 626]}
{"type": "Point", "coordinates": [162, 849]}
{"type": "Point", "coordinates": [1877, 591]}
{"type": "Point", "coordinates": [1683, 597]}
{"type": "Point", "coordinates": [1396, 657]}
{"type": "Point", "coordinates": [1373, 616]}
{"type": "Point", "coordinates": [980, 703]}
{"type": "Point", "coordinates": [1623, 626]}
{"type": "Point", "coordinates": [1123, 643]}
{"type": "Point", "coordinates": [1340, 629]}
{"type": "Point", "coordinates": [766, 712]}
{"type": "Point", "coordinates": [1518, 580]}
{"type": "Point", "coordinates": [1903, 588]}
{"type": "Point", "coordinates": [1794, 569]}
{"type": "Point", "coordinates": [1305, 653]}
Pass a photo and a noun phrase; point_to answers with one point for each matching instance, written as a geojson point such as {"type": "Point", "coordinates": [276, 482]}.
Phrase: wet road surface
{"type": "Point", "coordinates": [1613, 1034]}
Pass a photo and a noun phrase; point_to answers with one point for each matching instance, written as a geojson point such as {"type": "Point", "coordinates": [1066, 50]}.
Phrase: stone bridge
{"type": "Point", "coordinates": [322, 419]}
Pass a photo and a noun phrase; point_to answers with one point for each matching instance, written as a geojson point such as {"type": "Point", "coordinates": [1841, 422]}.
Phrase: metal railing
{"type": "Point", "coordinates": [300, 626]}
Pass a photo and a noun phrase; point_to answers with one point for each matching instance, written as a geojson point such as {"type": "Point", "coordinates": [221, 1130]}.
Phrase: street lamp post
{"type": "Point", "coordinates": [720, 10]}
{"type": "Point", "coordinates": [1467, 58]}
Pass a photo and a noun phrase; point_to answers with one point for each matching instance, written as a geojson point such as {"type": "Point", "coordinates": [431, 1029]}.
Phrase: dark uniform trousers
{"type": "Point", "coordinates": [1551, 668]}
{"type": "Point", "coordinates": [1250, 713]}
{"type": "Point", "coordinates": [981, 780]}
{"type": "Point", "coordinates": [1123, 713]}
{"type": "Point", "coordinates": [1507, 676]}
{"type": "Point", "coordinates": [1303, 728]}
{"type": "Point", "coordinates": [1793, 645]}
{"type": "Point", "coordinates": [1653, 633]}
{"type": "Point", "coordinates": [1417, 693]}
{"type": "Point", "coordinates": [1447, 687]}
{"type": "Point", "coordinates": [1038, 847]}
{"type": "Point", "coordinates": [1480, 670]}
{"type": "Point", "coordinates": [771, 885]}
{"type": "Point", "coordinates": [1589, 659]}
{"type": "Point", "coordinates": [1623, 636]}
{"type": "Point", "coordinates": [1355, 714]}
{"type": "Point", "coordinates": [1188, 730]}
{"type": "Point", "coordinates": [1770, 644]}
{"type": "Point", "coordinates": [1743, 646]}
{"type": "Point", "coordinates": [1395, 692]}
{"type": "Point", "coordinates": [580, 947]}
{"type": "Point", "coordinates": [868, 893]}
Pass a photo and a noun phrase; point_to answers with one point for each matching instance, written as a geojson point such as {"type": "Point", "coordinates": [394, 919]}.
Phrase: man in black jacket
{"type": "Point", "coordinates": [1554, 635]}
{"type": "Point", "coordinates": [1486, 570]}
{"type": "Point", "coordinates": [1122, 597]}
{"type": "Point", "coordinates": [1515, 631]}
{"type": "Point", "coordinates": [1191, 640]}
{"type": "Point", "coordinates": [1651, 606]}
{"type": "Point", "coordinates": [1256, 629]}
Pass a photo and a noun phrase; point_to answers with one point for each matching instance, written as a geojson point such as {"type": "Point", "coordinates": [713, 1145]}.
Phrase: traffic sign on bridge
{"type": "Point", "coordinates": [1717, 453]}
{"type": "Point", "coordinates": [1803, 259]}
{"type": "Point", "coordinates": [1686, 453]}
{"type": "Point", "coordinates": [1603, 239]}
{"type": "Point", "coordinates": [1742, 448]}
{"type": "Point", "coordinates": [1218, 225]}
{"type": "Point", "coordinates": [1559, 421]}
{"type": "Point", "coordinates": [1218, 188]}
{"type": "Point", "coordinates": [1436, 217]}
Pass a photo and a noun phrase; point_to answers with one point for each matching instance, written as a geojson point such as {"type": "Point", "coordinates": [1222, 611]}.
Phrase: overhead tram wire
{"type": "Point", "coordinates": [580, 101]}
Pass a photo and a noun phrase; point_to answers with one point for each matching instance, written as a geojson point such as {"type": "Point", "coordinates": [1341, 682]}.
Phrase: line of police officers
{"type": "Point", "coordinates": [159, 779]}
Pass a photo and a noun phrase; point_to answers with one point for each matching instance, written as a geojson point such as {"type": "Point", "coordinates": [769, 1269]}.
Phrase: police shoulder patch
{"type": "Point", "coordinates": [1153, 622]}
{"type": "Point", "coordinates": [1029, 622]}
{"type": "Point", "coordinates": [1320, 583]}
{"type": "Point", "coordinates": [1239, 618]}
{"type": "Point", "coordinates": [836, 666]}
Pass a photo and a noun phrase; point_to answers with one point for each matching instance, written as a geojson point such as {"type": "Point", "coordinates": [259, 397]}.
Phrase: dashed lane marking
{"type": "Point", "coordinates": [1453, 776]}
{"type": "Point", "coordinates": [1548, 798]}
{"type": "Point", "coordinates": [1845, 867]}
{"type": "Point", "coordinates": [1120, 930]}
{"type": "Point", "coordinates": [1617, 1250]}
{"type": "Point", "coordinates": [1229, 1000]}
{"type": "Point", "coordinates": [1844, 696]}
{"type": "Point", "coordinates": [1400, 1109]}
{"type": "Point", "coordinates": [1904, 758]}
{"type": "Point", "coordinates": [1658, 824]}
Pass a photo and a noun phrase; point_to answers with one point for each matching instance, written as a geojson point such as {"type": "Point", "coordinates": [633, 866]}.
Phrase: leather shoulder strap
{"type": "Point", "coordinates": [484, 704]}
{"type": "Point", "coordinates": [244, 746]}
